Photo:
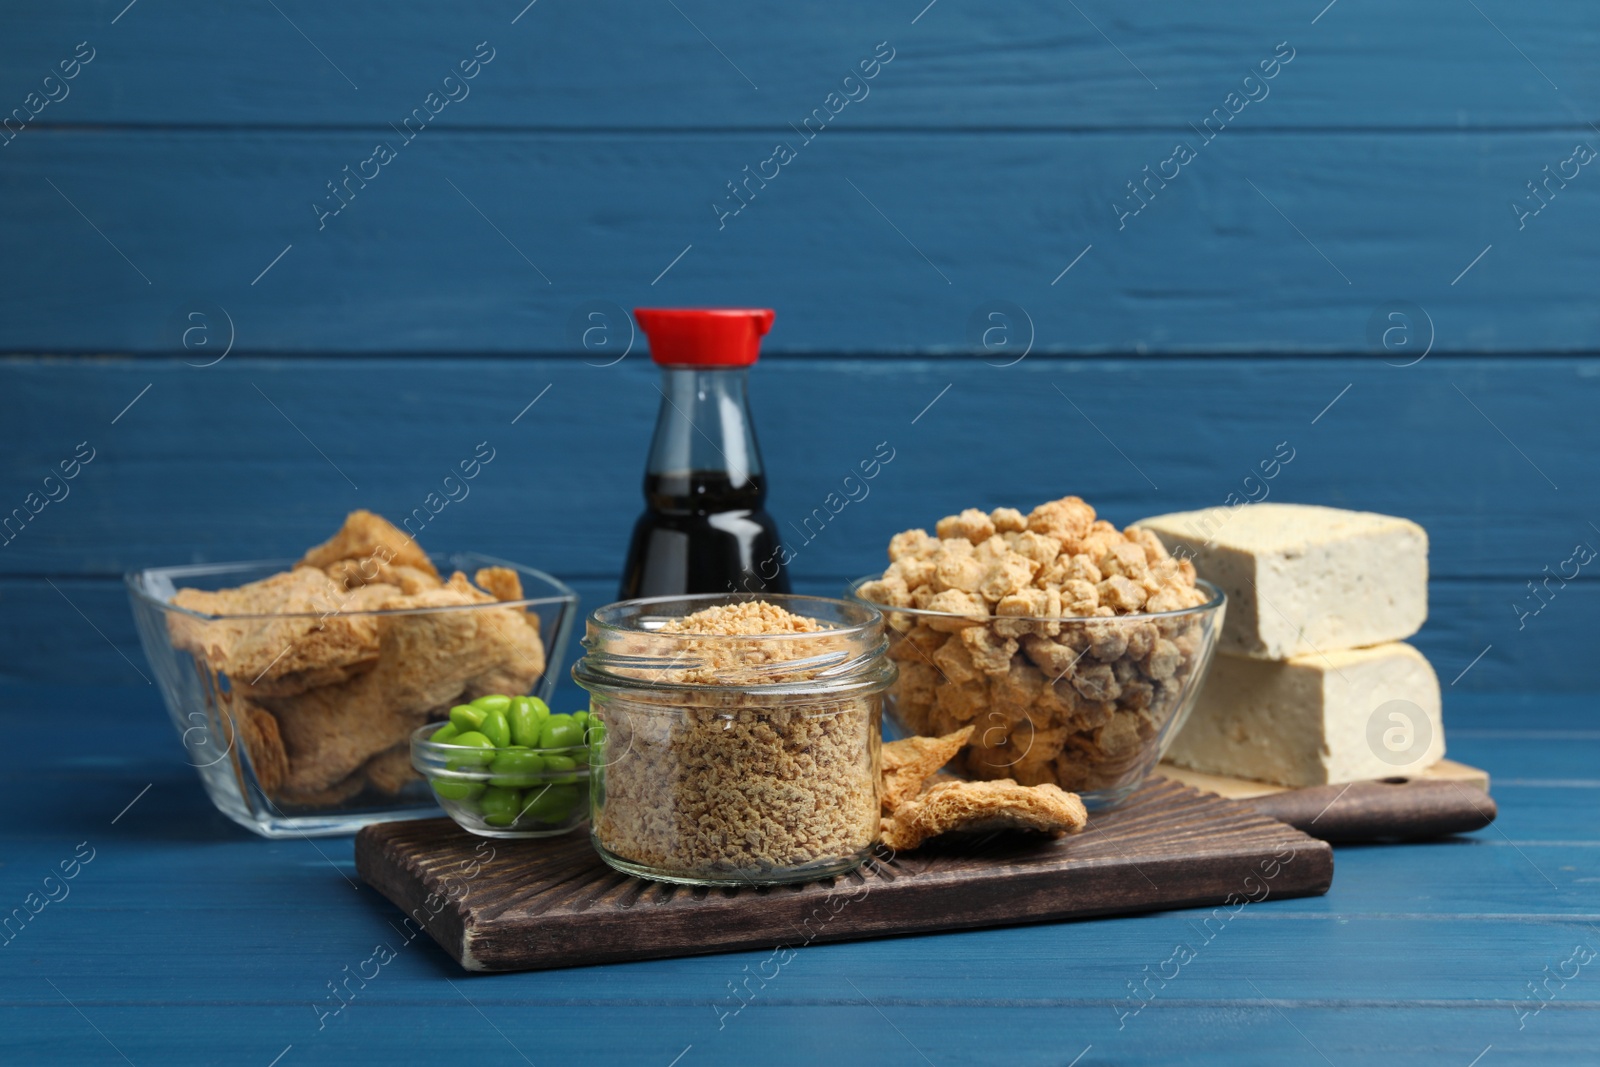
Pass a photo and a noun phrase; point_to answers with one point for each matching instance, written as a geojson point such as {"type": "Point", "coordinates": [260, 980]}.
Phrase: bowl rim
{"type": "Point", "coordinates": [425, 744]}
{"type": "Point", "coordinates": [1217, 599]}
{"type": "Point", "coordinates": [139, 591]}
{"type": "Point", "coordinates": [713, 599]}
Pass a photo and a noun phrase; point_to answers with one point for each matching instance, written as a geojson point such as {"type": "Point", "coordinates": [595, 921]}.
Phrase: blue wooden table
{"type": "Point", "coordinates": [183, 939]}
{"type": "Point", "coordinates": [1380, 256]}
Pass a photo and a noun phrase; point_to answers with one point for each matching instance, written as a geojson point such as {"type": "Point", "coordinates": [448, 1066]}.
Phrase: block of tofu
{"type": "Point", "coordinates": [1345, 716]}
{"type": "Point", "coordinates": [1302, 578]}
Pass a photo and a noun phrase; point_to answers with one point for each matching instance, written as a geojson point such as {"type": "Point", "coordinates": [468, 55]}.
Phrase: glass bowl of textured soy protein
{"type": "Point", "coordinates": [1075, 649]}
{"type": "Point", "coordinates": [296, 684]}
{"type": "Point", "coordinates": [735, 737]}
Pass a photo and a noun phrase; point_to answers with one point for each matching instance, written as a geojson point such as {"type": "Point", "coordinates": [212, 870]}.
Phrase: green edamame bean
{"type": "Point", "coordinates": [525, 716]}
{"type": "Point", "coordinates": [581, 717]}
{"type": "Point", "coordinates": [468, 763]}
{"type": "Point", "coordinates": [560, 769]}
{"type": "Point", "coordinates": [516, 768]}
{"type": "Point", "coordinates": [560, 731]}
{"type": "Point", "coordinates": [456, 789]}
{"type": "Point", "coordinates": [553, 803]}
{"type": "Point", "coordinates": [473, 739]}
{"type": "Point", "coordinates": [495, 728]}
{"type": "Point", "coordinates": [466, 717]}
{"type": "Point", "coordinates": [444, 733]}
{"type": "Point", "coordinates": [500, 805]}
{"type": "Point", "coordinates": [492, 702]}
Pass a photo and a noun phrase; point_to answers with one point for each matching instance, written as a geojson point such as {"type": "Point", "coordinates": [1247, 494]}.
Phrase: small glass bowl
{"type": "Point", "coordinates": [232, 735]}
{"type": "Point", "coordinates": [1089, 704]}
{"type": "Point", "coordinates": [531, 801]}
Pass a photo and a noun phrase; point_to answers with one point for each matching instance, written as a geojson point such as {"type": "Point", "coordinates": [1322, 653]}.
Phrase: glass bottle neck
{"type": "Point", "coordinates": [704, 427]}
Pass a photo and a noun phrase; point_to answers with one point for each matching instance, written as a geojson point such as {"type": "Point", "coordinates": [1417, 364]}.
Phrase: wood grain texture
{"type": "Point", "coordinates": [204, 468]}
{"type": "Point", "coordinates": [1389, 809]}
{"type": "Point", "coordinates": [194, 141]}
{"type": "Point", "coordinates": [1447, 798]}
{"type": "Point", "coordinates": [611, 63]}
{"type": "Point", "coordinates": [43, 638]}
{"type": "Point", "coordinates": [1446, 770]}
{"type": "Point", "coordinates": [884, 243]}
{"type": "Point", "coordinates": [554, 903]}
{"type": "Point", "coordinates": [212, 465]}
{"type": "Point", "coordinates": [1418, 954]}
{"type": "Point", "coordinates": [1248, 1029]}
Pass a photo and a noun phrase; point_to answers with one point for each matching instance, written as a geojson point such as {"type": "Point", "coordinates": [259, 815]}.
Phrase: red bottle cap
{"type": "Point", "coordinates": [704, 337]}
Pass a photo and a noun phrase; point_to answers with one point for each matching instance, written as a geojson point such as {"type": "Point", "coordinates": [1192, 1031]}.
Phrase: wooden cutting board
{"type": "Point", "coordinates": [1447, 798]}
{"type": "Point", "coordinates": [530, 905]}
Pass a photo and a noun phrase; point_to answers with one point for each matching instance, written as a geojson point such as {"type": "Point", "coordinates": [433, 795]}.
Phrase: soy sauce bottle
{"type": "Point", "coordinates": [704, 529]}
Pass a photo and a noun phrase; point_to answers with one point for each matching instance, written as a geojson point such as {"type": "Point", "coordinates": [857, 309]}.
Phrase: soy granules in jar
{"type": "Point", "coordinates": [740, 736]}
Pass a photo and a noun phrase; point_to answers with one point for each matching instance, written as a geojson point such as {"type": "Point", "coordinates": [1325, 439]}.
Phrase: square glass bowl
{"type": "Point", "coordinates": [1088, 704]}
{"type": "Point", "coordinates": [262, 752]}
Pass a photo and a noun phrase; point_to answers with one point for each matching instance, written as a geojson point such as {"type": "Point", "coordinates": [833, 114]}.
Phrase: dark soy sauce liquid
{"type": "Point", "coordinates": [700, 533]}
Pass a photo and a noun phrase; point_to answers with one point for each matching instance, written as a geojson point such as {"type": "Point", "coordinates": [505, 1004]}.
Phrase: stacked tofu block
{"type": "Point", "coordinates": [1312, 682]}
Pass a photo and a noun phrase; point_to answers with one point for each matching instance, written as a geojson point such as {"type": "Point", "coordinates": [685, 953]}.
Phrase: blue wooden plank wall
{"type": "Point", "coordinates": [1363, 230]}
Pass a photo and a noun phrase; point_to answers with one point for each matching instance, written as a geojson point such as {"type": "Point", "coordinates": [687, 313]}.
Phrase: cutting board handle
{"type": "Point", "coordinates": [1389, 809]}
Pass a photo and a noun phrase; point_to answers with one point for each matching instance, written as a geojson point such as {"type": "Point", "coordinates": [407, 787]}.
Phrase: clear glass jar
{"type": "Point", "coordinates": [734, 760]}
